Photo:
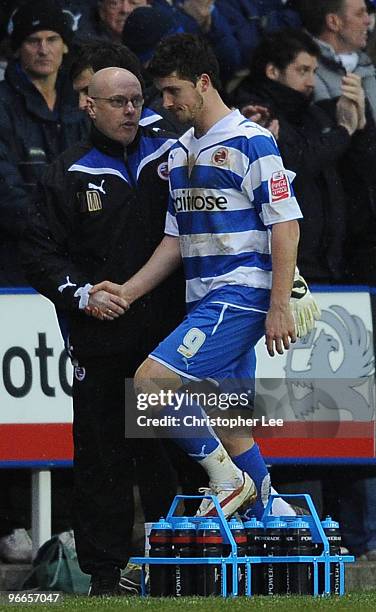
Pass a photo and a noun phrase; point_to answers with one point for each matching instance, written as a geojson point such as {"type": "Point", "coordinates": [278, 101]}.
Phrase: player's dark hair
{"type": "Point", "coordinates": [188, 55]}
{"type": "Point", "coordinates": [313, 13]}
{"type": "Point", "coordinates": [99, 54]}
{"type": "Point", "coordinates": [281, 49]}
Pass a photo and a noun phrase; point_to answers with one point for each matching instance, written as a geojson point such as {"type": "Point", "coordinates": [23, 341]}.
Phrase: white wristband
{"type": "Point", "coordinates": [83, 294]}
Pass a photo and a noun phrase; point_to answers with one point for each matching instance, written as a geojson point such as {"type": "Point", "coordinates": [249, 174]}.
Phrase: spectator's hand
{"type": "Point", "coordinates": [273, 127]}
{"type": "Point", "coordinates": [279, 329]}
{"type": "Point", "coordinates": [105, 305]}
{"type": "Point", "coordinates": [257, 113]}
{"type": "Point", "coordinates": [352, 90]}
{"type": "Point", "coordinates": [347, 114]}
{"type": "Point", "coordinates": [200, 10]}
{"type": "Point", "coordinates": [261, 115]}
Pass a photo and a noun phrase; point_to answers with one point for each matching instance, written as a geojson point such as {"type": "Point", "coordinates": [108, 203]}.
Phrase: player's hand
{"type": "Point", "coordinates": [105, 306]}
{"type": "Point", "coordinates": [304, 307]}
{"type": "Point", "coordinates": [279, 329]}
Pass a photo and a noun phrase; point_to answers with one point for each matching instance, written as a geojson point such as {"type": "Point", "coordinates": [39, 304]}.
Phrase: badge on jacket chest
{"type": "Point", "coordinates": [90, 201]}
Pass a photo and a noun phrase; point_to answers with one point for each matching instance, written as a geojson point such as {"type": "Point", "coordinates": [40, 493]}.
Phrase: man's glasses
{"type": "Point", "coordinates": [122, 101]}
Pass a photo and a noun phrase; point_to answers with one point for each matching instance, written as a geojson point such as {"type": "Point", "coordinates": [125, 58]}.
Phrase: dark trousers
{"type": "Point", "coordinates": [106, 465]}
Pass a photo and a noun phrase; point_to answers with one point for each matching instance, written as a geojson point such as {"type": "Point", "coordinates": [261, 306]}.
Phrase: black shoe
{"type": "Point", "coordinates": [106, 585]}
{"type": "Point", "coordinates": [131, 579]}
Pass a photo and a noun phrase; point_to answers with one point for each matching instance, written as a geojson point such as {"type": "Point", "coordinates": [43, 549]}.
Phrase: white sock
{"type": "Point", "coordinates": [280, 507]}
{"type": "Point", "coordinates": [221, 469]}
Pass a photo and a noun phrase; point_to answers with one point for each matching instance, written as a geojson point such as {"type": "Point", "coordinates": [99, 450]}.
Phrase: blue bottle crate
{"type": "Point", "coordinates": [318, 537]}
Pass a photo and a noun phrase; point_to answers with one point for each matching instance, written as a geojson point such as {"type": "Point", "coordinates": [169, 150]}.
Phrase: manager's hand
{"type": "Point", "coordinates": [105, 305]}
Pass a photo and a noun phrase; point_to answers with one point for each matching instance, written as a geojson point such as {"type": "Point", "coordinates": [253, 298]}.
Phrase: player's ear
{"type": "Point", "coordinates": [204, 82]}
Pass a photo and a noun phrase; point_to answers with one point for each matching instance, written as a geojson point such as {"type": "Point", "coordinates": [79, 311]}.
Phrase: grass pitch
{"type": "Point", "coordinates": [352, 601]}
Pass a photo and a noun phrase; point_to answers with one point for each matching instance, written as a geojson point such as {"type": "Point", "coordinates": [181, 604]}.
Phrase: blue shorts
{"type": "Point", "coordinates": [216, 341]}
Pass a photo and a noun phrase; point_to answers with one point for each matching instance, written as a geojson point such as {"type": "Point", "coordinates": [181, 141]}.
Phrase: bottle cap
{"type": "Point", "coordinates": [185, 523]}
{"type": "Point", "coordinates": [329, 523]}
{"type": "Point", "coordinates": [298, 523]}
{"type": "Point", "coordinates": [235, 523]}
{"type": "Point", "coordinates": [161, 524]}
{"type": "Point", "coordinates": [253, 523]}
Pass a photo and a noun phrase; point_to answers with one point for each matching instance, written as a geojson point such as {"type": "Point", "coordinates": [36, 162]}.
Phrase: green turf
{"type": "Point", "coordinates": [353, 601]}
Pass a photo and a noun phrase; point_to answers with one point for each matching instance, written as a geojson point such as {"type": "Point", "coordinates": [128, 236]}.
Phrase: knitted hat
{"type": "Point", "coordinates": [145, 27]}
{"type": "Point", "coordinates": [39, 15]}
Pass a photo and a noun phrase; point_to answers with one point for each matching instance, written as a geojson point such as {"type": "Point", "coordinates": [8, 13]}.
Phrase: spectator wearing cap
{"type": "Point", "coordinates": [38, 120]}
{"type": "Point", "coordinates": [38, 117]}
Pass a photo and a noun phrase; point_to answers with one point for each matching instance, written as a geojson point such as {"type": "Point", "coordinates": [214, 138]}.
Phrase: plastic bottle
{"type": "Point", "coordinates": [160, 576]}
{"type": "Point", "coordinates": [209, 543]}
{"type": "Point", "coordinates": [184, 539]}
{"type": "Point", "coordinates": [299, 576]}
{"type": "Point", "coordinates": [275, 546]}
{"type": "Point", "coordinates": [238, 533]}
{"type": "Point", "coordinates": [256, 548]}
{"type": "Point", "coordinates": [332, 532]}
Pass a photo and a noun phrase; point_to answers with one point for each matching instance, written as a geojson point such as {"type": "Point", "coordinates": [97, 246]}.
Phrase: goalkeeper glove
{"type": "Point", "coordinates": [304, 307]}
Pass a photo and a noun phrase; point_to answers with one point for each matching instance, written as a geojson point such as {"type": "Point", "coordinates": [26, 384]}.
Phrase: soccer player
{"type": "Point", "coordinates": [232, 220]}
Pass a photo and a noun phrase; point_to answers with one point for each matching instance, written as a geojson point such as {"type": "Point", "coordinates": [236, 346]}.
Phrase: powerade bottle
{"type": "Point", "coordinates": [240, 537]}
{"type": "Point", "coordinates": [332, 532]}
{"type": "Point", "coordinates": [299, 576]}
{"type": "Point", "coordinates": [275, 573]}
{"type": "Point", "coordinates": [256, 548]}
{"type": "Point", "coordinates": [183, 539]}
{"type": "Point", "coordinates": [160, 576]}
{"type": "Point", "coordinates": [209, 543]}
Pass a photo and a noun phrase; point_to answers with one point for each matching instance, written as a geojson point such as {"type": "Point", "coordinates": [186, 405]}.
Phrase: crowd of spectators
{"type": "Point", "coordinates": [294, 66]}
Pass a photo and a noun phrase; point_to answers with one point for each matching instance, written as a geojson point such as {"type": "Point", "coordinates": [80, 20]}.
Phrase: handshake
{"type": "Point", "coordinates": [107, 301]}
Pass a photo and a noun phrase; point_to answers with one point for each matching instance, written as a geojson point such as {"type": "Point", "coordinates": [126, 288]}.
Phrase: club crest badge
{"type": "Point", "coordinates": [79, 373]}
{"type": "Point", "coordinates": [220, 156]}
{"type": "Point", "coordinates": [163, 171]}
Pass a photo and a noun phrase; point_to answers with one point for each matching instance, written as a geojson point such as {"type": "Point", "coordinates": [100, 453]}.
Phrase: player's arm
{"type": "Point", "coordinates": [279, 324]}
{"type": "Point", "coordinates": [165, 259]}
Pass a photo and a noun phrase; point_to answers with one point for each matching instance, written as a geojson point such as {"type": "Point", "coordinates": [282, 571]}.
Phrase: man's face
{"type": "Point", "coordinates": [181, 97]}
{"type": "Point", "coordinates": [119, 124]}
{"type": "Point", "coordinates": [41, 54]}
{"type": "Point", "coordinates": [299, 75]}
{"type": "Point", "coordinates": [352, 27]}
{"type": "Point", "coordinates": [81, 86]}
{"type": "Point", "coordinates": [115, 12]}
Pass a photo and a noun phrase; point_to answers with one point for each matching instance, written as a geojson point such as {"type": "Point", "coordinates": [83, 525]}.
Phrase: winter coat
{"type": "Point", "coordinates": [250, 19]}
{"type": "Point", "coordinates": [31, 136]}
{"type": "Point", "coordinates": [311, 145]}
